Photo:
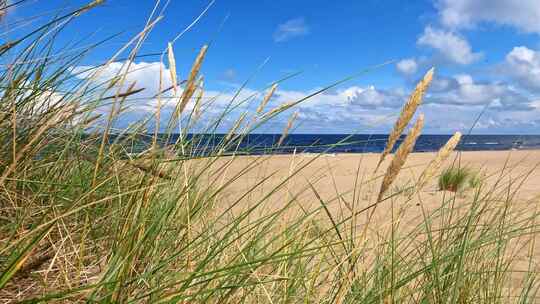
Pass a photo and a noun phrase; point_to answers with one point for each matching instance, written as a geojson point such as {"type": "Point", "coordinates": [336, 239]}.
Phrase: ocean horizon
{"type": "Point", "coordinates": [265, 143]}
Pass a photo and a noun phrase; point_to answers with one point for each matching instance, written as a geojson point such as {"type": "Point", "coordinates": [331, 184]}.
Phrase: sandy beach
{"type": "Point", "coordinates": [346, 184]}
{"type": "Point", "coordinates": [347, 181]}
{"type": "Point", "coordinates": [338, 172]}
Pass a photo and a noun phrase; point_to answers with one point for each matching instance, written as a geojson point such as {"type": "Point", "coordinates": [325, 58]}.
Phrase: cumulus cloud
{"type": "Point", "coordinates": [146, 77]}
{"type": "Point", "coordinates": [143, 74]}
{"type": "Point", "coordinates": [365, 97]}
{"type": "Point", "coordinates": [290, 29]}
{"type": "Point", "coordinates": [450, 45]}
{"type": "Point", "coordinates": [371, 98]}
{"type": "Point", "coordinates": [346, 110]}
{"type": "Point", "coordinates": [523, 64]}
{"type": "Point", "coordinates": [463, 90]}
{"type": "Point", "coordinates": [451, 103]}
{"type": "Point", "coordinates": [521, 14]}
{"type": "Point", "coordinates": [407, 66]}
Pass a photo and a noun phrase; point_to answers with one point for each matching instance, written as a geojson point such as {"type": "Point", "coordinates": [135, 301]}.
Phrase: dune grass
{"type": "Point", "coordinates": [88, 216]}
{"type": "Point", "coordinates": [454, 178]}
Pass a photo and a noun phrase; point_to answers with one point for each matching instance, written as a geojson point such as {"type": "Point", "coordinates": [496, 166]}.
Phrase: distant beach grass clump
{"type": "Point", "coordinates": [454, 178]}
{"type": "Point", "coordinates": [87, 216]}
{"type": "Point", "coordinates": [458, 178]}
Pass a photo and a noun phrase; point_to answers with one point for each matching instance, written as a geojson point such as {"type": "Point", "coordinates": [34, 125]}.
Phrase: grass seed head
{"type": "Point", "coordinates": [191, 83]}
{"type": "Point", "coordinates": [401, 156]}
{"type": "Point", "coordinates": [287, 128]}
{"type": "Point", "coordinates": [406, 114]}
{"type": "Point", "coordinates": [266, 98]}
{"type": "Point", "coordinates": [172, 67]}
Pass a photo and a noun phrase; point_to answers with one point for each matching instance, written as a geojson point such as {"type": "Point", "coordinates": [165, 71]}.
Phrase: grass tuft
{"type": "Point", "coordinates": [453, 179]}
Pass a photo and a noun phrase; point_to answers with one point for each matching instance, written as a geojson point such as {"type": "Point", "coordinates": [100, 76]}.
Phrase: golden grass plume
{"type": "Point", "coordinates": [191, 83]}
{"type": "Point", "coordinates": [287, 128]}
{"type": "Point", "coordinates": [401, 156]}
{"type": "Point", "coordinates": [407, 112]}
{"type": "Point", "coordinates": [266, 98]}
{"type": "Point", "coordinates": [172, 67]}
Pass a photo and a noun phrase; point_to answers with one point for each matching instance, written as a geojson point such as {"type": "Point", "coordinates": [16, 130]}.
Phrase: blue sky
{"type": "Point", "coordinates": [485, 52]}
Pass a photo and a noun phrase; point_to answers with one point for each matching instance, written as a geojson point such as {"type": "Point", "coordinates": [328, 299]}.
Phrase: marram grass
{"type": "Point", "coordinates": [407, 112]}
{"type": "Point", "coordinates": [84, 218]}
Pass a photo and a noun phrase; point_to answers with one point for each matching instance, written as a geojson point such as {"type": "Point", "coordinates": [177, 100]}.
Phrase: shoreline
{"type": "Point", "coordinates": [377, 153]}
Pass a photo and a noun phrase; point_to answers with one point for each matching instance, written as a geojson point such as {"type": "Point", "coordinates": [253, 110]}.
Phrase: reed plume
{"type": "Point", "coordinates": [407, 112]}
{"type": "Point", "coordinates": [401, 156]}
{"type": "Point", "coordinates": [287, 128]}
{"type": "Point", "coordinates": [191, 83]}
{"type": "Point", "coordinates": [436, 163]}
{"type": "Point", "coordinates": [172, 68]}
{"type": "Point", "coordinates": [266, 98]}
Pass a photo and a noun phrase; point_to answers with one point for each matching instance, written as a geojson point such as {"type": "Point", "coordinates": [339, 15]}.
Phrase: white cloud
{"type": "Point", "coordinates": [523, 64]}
{"type": "Point", "coordinates": [291, 29]}
{"type": "Point", "coordinates": [333, 112]}
{"type": "Point", "coordinates": [451, 104]}
{"type": "Point", "coordinates": [521, 14]}
{"type": "Point", "coordinates": [407, 66]}
{"type": "Point", "coordinates": [452, 46]}
{"type": "Point", "coordinates": [370, 97]}
{"type": "Point", "coordinates": [143, 74]}
{"type": "Point", "coordinates": [463, 90]}
{"type": "Point", "coordinates": [367, 98]}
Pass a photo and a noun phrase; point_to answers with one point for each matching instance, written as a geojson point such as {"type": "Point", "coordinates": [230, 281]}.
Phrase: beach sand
{"type": "Point", "coordinates": [334, 175]}
{"type": "Point", "coordinates": [346, 184]}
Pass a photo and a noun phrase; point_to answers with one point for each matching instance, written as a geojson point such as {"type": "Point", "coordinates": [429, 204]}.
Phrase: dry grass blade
{"type": "Point", "coordinates": [406, 114]}
{"type": "Point", "coordinates": [266, 98]}
{"type": "Point", "coordinates": [401, 156]}
{"type": "Point", "coordinates": [113, 113]}
{"type": "Point", "coordinates": [19, 259]}
{"type": "Point", "coordinates": [287, 128]}
{"type": "Point", "coordinates": [191, 84]}
{"type": "Point", "coordinates": [172, 67]}
{"type": "Point", "coordinates": [436, 163]}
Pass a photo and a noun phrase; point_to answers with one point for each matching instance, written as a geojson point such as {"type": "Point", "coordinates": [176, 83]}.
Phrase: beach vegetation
{"type": "Point", "coordinates": [454, 178]}
{"type": "Point", "coordinates": [166, 209]}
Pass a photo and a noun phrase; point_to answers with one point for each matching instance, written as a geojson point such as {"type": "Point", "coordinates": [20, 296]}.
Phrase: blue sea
{"type": "Point", "coordinates": [343, 143]}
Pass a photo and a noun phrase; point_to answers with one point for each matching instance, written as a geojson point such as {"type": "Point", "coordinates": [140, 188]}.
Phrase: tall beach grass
{"type": "Point", "coordinates": [87, 218]}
